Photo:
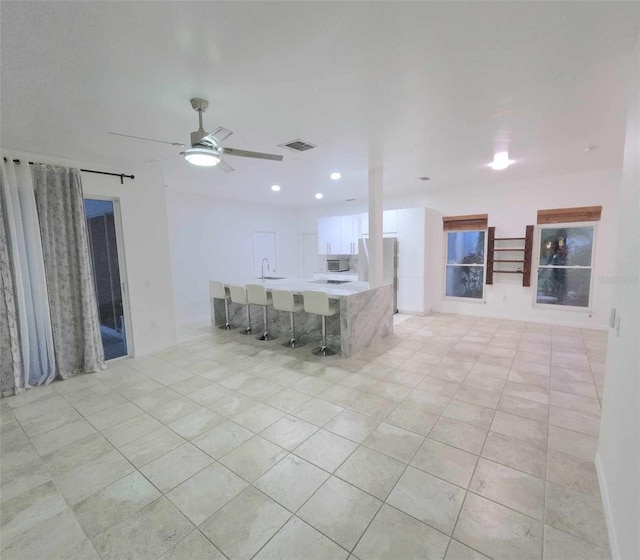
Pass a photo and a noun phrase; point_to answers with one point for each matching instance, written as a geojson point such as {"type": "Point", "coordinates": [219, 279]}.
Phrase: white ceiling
{"type": "Point", "coordinates": [435, 85]}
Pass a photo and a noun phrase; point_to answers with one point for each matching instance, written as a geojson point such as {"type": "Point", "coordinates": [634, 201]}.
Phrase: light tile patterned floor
{"type": "Point", "coordinates": [458, 438]}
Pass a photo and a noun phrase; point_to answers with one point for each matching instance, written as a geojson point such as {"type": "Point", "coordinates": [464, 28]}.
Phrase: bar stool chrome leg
{"type": "Point", "coordinates": [293, 343]}
{"type": "Point", "coordinates": [248, 329]}
{"type": "Point", "coordinates": [227, 326]}
{"type": "Point", "coordinates": [265, 335]}
{"type": "Point", "coordinates": [323, 350]}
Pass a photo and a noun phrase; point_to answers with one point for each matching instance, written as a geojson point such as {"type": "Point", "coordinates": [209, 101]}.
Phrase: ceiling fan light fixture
{"type": "Point", "coordinates": [201, 156]}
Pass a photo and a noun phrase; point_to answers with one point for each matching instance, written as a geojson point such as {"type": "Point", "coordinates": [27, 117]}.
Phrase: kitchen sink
{"type": "Point", "coordinates": [272, 278]}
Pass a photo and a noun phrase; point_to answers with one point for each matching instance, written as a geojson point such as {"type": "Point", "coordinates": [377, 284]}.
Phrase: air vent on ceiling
{"type": "Point", "coordinates": [425, 178]}
{"type": "Point", "coordinates": [297, 145]}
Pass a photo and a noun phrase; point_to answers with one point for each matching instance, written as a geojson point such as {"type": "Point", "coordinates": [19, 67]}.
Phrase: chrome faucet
{"type": "Point", "coordinates": [262, 266]}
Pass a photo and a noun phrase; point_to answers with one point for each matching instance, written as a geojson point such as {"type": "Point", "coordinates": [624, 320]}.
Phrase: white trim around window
{"type": "Point", "coordinates": [540, 228]}
{"type": "Point", "coordinates": [446, 265]}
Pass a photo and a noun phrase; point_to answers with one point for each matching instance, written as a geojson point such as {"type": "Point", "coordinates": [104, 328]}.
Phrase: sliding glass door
{"type": "Point", "coordinates": [102, 225]}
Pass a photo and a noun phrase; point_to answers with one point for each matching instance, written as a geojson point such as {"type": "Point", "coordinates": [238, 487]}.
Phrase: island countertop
{"type": "Point", "coordinates": [299, 285]}
{"type": "Point", "coordinates": [364, 314]}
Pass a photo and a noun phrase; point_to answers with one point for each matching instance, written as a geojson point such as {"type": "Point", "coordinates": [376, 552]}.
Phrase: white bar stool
{"type": "Point", "coordinates": [239, 295]}
{"type": "Point", "coordinates": [283, 301]}
{"type": "Point", "coordinates": [258, 296]}
{"type": "Point", "coordinates": [318, 303]}
{"type": "Point", "coordinates": [218, 291]}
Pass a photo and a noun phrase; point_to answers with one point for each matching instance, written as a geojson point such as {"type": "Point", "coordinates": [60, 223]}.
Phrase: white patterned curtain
{"type": "Point", "coordinates": [10, 358]}
{"type": "Point", "coordinates": [25, 306]}
{"type": "Point", "coordinates": [67, 261]}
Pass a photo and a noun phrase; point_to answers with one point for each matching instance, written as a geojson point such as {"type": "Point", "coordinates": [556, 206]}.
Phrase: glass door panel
{"type": "Point", "coordinates": [101, 226]}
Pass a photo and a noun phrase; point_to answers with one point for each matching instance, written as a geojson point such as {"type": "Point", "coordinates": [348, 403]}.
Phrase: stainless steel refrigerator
{"type": "Point", "coordinates": [389, 264]}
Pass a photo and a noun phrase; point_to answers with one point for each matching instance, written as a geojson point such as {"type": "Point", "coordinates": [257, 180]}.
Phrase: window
{"type": "Point", "coordinates": [464, 269]}
{"type": "Point", "coordinates": [565, 265]}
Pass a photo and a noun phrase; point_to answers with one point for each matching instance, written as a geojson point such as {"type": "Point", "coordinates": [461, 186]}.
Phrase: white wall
{"type": "Point", "coordinates": [212, 239]}
{"type": "Point", "coordinates": [511, 207]}
{"type": "Point", "coordinates": [618, 459]}
{"type": "Point", "coordinates": [146, 245]}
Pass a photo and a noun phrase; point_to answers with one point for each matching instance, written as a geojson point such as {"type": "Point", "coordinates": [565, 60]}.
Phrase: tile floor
{"type": "Point", "coordinates": [458, 438]}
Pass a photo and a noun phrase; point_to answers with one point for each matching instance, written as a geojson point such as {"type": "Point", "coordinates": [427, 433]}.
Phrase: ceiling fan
{"type": "Point", "coordinates": [206, 147]}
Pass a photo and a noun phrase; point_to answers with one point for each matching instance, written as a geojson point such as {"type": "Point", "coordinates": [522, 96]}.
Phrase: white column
{"type": "Point", "coordinates": [375, 223]}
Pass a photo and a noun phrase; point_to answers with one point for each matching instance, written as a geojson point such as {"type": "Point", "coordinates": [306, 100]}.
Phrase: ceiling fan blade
{"type": "Point", "coordinates": [147, 139]}
{"type": "Point", "coordinates": [225, 166]}
{"type": "Point", "coordinates": [221, 133]}
{"type": "Point", "coordinates": [246, 153]}
{"type": "Point", "coordinates": [162, 158]}
{"type": "Point", "coordinates": [216, 137]}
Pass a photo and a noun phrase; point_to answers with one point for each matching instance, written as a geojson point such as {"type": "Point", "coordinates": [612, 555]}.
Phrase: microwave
{"type": "Point", "coordinates": [337, 265]}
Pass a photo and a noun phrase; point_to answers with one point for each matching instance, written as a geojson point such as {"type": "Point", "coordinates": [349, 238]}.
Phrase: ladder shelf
{"type": "Point", "coordinates": [525, 262]}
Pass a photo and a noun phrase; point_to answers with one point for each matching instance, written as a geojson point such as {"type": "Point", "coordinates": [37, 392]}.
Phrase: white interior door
{"type": "Point", "coordinates": [309, 257]}
{"type": "Point", "coordinates": [265, 254]}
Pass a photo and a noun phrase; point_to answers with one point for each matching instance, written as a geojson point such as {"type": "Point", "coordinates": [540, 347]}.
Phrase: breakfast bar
{"type": "Point", "coordinates": [364, 314]}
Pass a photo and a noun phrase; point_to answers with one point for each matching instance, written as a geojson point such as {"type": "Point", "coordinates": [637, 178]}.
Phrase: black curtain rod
{"type": "Point", "coordinates": [121, 175]}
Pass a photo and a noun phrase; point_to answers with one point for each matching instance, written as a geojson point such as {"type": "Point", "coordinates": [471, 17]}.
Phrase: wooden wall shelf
{"type": "Point", "coordinates": [525, 262]}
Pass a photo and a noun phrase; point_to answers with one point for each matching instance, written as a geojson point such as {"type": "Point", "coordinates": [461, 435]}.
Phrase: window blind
{"type": "Point", "coordinates": [562, 215]}
{"type": "Point", "coordinates": [469, 222]}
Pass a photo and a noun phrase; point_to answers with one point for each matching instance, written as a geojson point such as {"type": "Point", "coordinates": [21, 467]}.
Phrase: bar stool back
{"type": "Point", "coordinates": [257, 295]}
{"type": "Point", "coordinates": [218, 291]}
{"type": "Point", "coordinates": [239, 295]}
{"type": "Point", "coordinates": [318, 303]}
{"type": "Point", "coordinates": [283, 301]}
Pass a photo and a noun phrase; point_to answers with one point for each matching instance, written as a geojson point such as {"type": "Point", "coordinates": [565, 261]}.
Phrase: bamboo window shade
{"type": "Point", "coordinates": [562, 215]}
{"type": "Point", "coordinates": [469, 222]}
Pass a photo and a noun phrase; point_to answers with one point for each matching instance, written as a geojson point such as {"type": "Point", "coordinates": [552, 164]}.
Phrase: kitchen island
{"type": "Point", "coordinates": [364, 316]}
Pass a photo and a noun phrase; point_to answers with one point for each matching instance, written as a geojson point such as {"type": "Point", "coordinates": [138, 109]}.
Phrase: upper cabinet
{"type": "Point", "coordinates": [411, 231]}
{"type": "Point", "coordinates": [389, 222]}
{"type": "Point", "coordinates": [338, 235]}
{"type": "Point", "coordinates": [329, 242]}
{"type": "Point", "coordinates": [349, 234]}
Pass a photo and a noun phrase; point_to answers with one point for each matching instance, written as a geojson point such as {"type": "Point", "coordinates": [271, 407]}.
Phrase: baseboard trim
{"type": "Point", "coordinates": [414, 313]}
{"type": "Point", "coordinates": [606, 504]}
{"type": "Point", "coordinates": [535, 320]}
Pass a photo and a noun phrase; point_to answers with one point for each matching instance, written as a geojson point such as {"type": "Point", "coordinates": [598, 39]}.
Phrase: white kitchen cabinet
{"type": "Point", "coordinates": [411, 295]}
{"type": "Point", "coordinates": [411, 231]}
{"type": "Point", "coordinates": [329, 236]}
{"type": "Point", "coordinates": [338, 235]}
{"type": "Point", "coordinates": [389, 222]}
{"type": "Point", "coordinates": [349, 234]}
{"type": "Point", "coordinates": [410, 265]}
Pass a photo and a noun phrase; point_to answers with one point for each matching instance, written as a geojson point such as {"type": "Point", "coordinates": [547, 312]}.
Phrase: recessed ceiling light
{"type": "Point", "coordinates": [590, 148]}
{"type": "Point", "coordinates": [319, 195]}
{"type": "Point", "coordinates": [335, 175]}
{"type": "Point", "coordinates": [501, 161]}
{"type": "Point", "coordinates": [275, 188]}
